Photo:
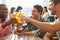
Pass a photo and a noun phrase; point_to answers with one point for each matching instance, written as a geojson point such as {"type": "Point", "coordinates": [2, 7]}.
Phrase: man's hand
{"type": "Point", "coordinates": [11, 21]}
{"type": "Point", "coordinates": [25, 19]}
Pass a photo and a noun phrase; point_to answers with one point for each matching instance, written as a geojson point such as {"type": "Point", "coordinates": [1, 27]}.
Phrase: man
{"type": "Point", "coordinates": [5, 31]}
{"type": "Point", "coordinates": [32, 29]}
{"type": "Point", "coordinates": [55, 7]}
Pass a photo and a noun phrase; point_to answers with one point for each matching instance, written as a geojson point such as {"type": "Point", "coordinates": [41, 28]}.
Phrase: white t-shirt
{"type": "Point", "coordinates": [45, 16]}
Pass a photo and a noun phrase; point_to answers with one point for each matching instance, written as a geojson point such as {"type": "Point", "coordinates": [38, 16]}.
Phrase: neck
{"type": "Point", "coordinates": [37, 18]}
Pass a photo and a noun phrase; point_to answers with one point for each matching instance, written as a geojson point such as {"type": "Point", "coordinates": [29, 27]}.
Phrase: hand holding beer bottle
{"type": "Point", "coordinates": [19, 21]}
{"type": "Point", "coordinates": [17, 17]}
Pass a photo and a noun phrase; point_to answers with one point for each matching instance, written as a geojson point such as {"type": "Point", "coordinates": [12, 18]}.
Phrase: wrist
{"type": "Point", "coordinates": [3, 25]}
{"type": "Point", "coordinates": [29, 19]}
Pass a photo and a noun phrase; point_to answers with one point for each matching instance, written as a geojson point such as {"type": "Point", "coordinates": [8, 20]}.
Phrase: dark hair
{"type": "Point", "coordinates": [12, 9]}
{"type": "Point", "coordinates": [39, 8]}
{"type": "Point", "coordinates": [19, 8]}
{"type": "Point", "coordinates": [56, 1]}
{"type": "Point", "coordinates": [3, 7]}
{"type": "Point", "coordinates": [46, 9]}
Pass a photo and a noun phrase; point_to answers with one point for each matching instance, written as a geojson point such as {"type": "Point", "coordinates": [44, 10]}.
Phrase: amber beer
{"type": "Point", "coordinates": [19, 21]}
{"type": "Point", "coordinates": [17, 16]}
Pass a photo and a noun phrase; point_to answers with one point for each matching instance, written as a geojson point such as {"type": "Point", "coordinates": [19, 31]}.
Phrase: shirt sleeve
{"type": "Point", "coordinates": [35, 31]}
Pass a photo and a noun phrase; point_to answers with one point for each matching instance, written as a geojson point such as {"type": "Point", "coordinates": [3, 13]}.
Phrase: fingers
{"type": "Point", "coordinates": [24, 18]}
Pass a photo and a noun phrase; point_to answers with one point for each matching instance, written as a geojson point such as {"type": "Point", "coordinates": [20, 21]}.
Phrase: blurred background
{"type": "Point", "coordinates": [26, 4]}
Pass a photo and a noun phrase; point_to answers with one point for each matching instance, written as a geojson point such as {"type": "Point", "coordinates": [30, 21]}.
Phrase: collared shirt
{"type": "Point", "coordinates": [5, 31]}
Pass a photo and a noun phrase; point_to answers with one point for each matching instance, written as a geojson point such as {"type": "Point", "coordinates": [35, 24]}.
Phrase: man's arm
{"type": "Point", "coordinates": [25, 33]}
{"type": "Point", "coordinates": [11, 21]}
{"type": "Point", "coordinates": [44, 26]}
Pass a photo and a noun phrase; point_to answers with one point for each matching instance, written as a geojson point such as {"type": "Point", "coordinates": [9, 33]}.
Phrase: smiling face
{"type": "Point", "coordinates": [55, 8]}
{"type": "Point", "coordinates": [52, 7]}
{"type": "Point", "coordinates": [4, 11]}
{"type": "Point", "coordinates": [35, 13]}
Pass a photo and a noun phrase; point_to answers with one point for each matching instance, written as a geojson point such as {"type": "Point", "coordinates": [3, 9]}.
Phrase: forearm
{"type": "Point", "coordinates": [29, 33]}
{"type": "Point", "coordinates": [26, 33]}
{"type": "Point", "coordinates": [11, 21]}
{"type": "Point", "coordinates": [44, 26]}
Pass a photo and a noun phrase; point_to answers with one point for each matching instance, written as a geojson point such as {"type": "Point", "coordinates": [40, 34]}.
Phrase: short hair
{"type": "Point", "coordinates": [19, 8]}
{"type": "Point", "coordinates": [56, 1]}
{"type": "Point", "coordinates": [12, 9]}
{"type": "Point", "coordinates": [39, 8]}
{"type": "Point", "coordinates": [2, 7]}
